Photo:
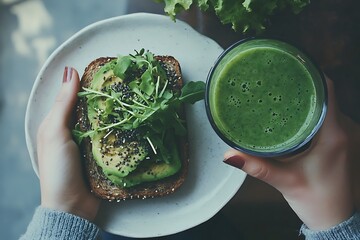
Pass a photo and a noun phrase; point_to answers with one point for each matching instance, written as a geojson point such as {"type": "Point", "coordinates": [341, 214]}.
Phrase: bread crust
{"type": "Point", "coordinates": [98, 183]}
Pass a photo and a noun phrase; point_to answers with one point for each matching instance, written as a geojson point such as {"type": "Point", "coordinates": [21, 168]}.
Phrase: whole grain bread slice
{"type": "Point", "coordinates": [99, 184]}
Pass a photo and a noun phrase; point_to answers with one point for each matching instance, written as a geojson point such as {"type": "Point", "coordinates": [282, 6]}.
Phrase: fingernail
{"type": "Point", "coordinates": [67, 74]}
{"type": "Point", "coordinates": [235, 161]}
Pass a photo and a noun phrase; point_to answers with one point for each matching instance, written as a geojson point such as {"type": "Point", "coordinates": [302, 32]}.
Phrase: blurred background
{"type": "Point", "coordinates": [31, 29]}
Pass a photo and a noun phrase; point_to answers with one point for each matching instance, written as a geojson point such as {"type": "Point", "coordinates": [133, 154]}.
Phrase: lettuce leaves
{"type": "Point", "coordinates": [243, 15]}
{"type": "Point", "coordinates": [173, 7]}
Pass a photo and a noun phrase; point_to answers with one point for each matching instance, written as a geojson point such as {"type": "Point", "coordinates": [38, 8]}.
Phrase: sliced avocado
{"type": "Point", "coordinates": [104, 77]}
{"type": "Point", "coordinates": [114, 159]}
{"type": "Point", "coordinates": [126, 163]}
{"type": "Point", "coordinates": [149, 171]}
{"type": "Point", "coordinates": [153, 172]}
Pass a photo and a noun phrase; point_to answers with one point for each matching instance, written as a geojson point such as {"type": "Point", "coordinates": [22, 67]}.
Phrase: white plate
{"type": "Point", "coordinates": [210, 183]}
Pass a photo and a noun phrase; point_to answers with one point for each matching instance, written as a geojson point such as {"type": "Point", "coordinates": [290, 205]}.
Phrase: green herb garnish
{"type": "Point", "coordinates": [143, 98]}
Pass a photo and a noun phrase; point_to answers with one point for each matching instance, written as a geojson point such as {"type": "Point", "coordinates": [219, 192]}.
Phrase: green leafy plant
{"type": "Point", "coordinates": [244, 15]}
{"type": "Point", "coordinates": [142, 101]}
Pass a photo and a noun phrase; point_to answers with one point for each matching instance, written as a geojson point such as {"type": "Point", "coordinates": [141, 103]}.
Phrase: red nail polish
{"type": "Point", "coordinates": [67, 74]}
{"type": "Point", "coordinates": [235, 161]}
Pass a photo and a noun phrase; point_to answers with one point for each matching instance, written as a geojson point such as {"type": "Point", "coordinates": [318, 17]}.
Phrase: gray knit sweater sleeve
{"type": "Point", "coordinates": [51, 224]}
{"type": "Point", "coordinates": [349, 230]}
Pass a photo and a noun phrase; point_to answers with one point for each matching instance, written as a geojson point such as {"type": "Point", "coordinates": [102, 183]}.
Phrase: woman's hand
{"type": "Point", "coordinates": [60, 170]}
{"type": "Point", "coordinates": [316, 183]}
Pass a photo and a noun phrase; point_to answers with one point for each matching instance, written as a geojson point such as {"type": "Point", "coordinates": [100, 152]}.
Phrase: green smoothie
{"type": "Point", "coordinates": [265, 97]}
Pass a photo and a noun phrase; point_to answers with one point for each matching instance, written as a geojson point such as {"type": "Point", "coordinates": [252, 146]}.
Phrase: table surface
{"type": "Point", "coordinates": [328, 30]}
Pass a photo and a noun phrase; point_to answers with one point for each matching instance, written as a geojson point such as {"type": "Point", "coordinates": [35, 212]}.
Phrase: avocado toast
{"type": "Point", "coordinates": [131, 125]}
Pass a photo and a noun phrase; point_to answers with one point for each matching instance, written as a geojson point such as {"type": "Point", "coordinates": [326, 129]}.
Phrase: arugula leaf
{"type": "Point", "coordinates": [179, 126]}
{"type": "Point", "coordinates": [192, 92]}
{"type": "Point", "coordinates": [77, 135]}
{"type": "Point", "coordinates": [149, 56]}
{"type": "Point", "coordinates": [80, 135]}
{"type": "Point", "coordinates": [158, 141]}
{"type": "Point", "coordinates": [147, 84]}
{"type": "Point", "coordinates": [123, 63]}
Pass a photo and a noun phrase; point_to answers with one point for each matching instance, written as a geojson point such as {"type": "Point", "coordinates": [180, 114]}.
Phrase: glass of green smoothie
{"type": "Point", "coordinates": [265, 97]}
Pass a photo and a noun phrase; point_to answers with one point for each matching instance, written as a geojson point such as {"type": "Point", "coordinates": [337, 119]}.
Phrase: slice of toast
{"type": "Point", "coordinates": [97, 180]}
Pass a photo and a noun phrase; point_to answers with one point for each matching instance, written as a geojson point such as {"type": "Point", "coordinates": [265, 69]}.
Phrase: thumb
{"type": "Point", "coordinates": [62, 110]}
{"type": "Point", "coordinates": [267, 170]}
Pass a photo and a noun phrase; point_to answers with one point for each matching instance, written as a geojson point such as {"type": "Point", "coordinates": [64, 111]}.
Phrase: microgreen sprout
{"type": "Point", "coordinates": [143, 99]}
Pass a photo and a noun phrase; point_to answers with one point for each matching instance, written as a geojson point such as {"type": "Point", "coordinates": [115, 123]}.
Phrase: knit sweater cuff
{"type": "Point", "coordinates": [51, 224]}
{"type": "Point", "coordinates": [349, 229]}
